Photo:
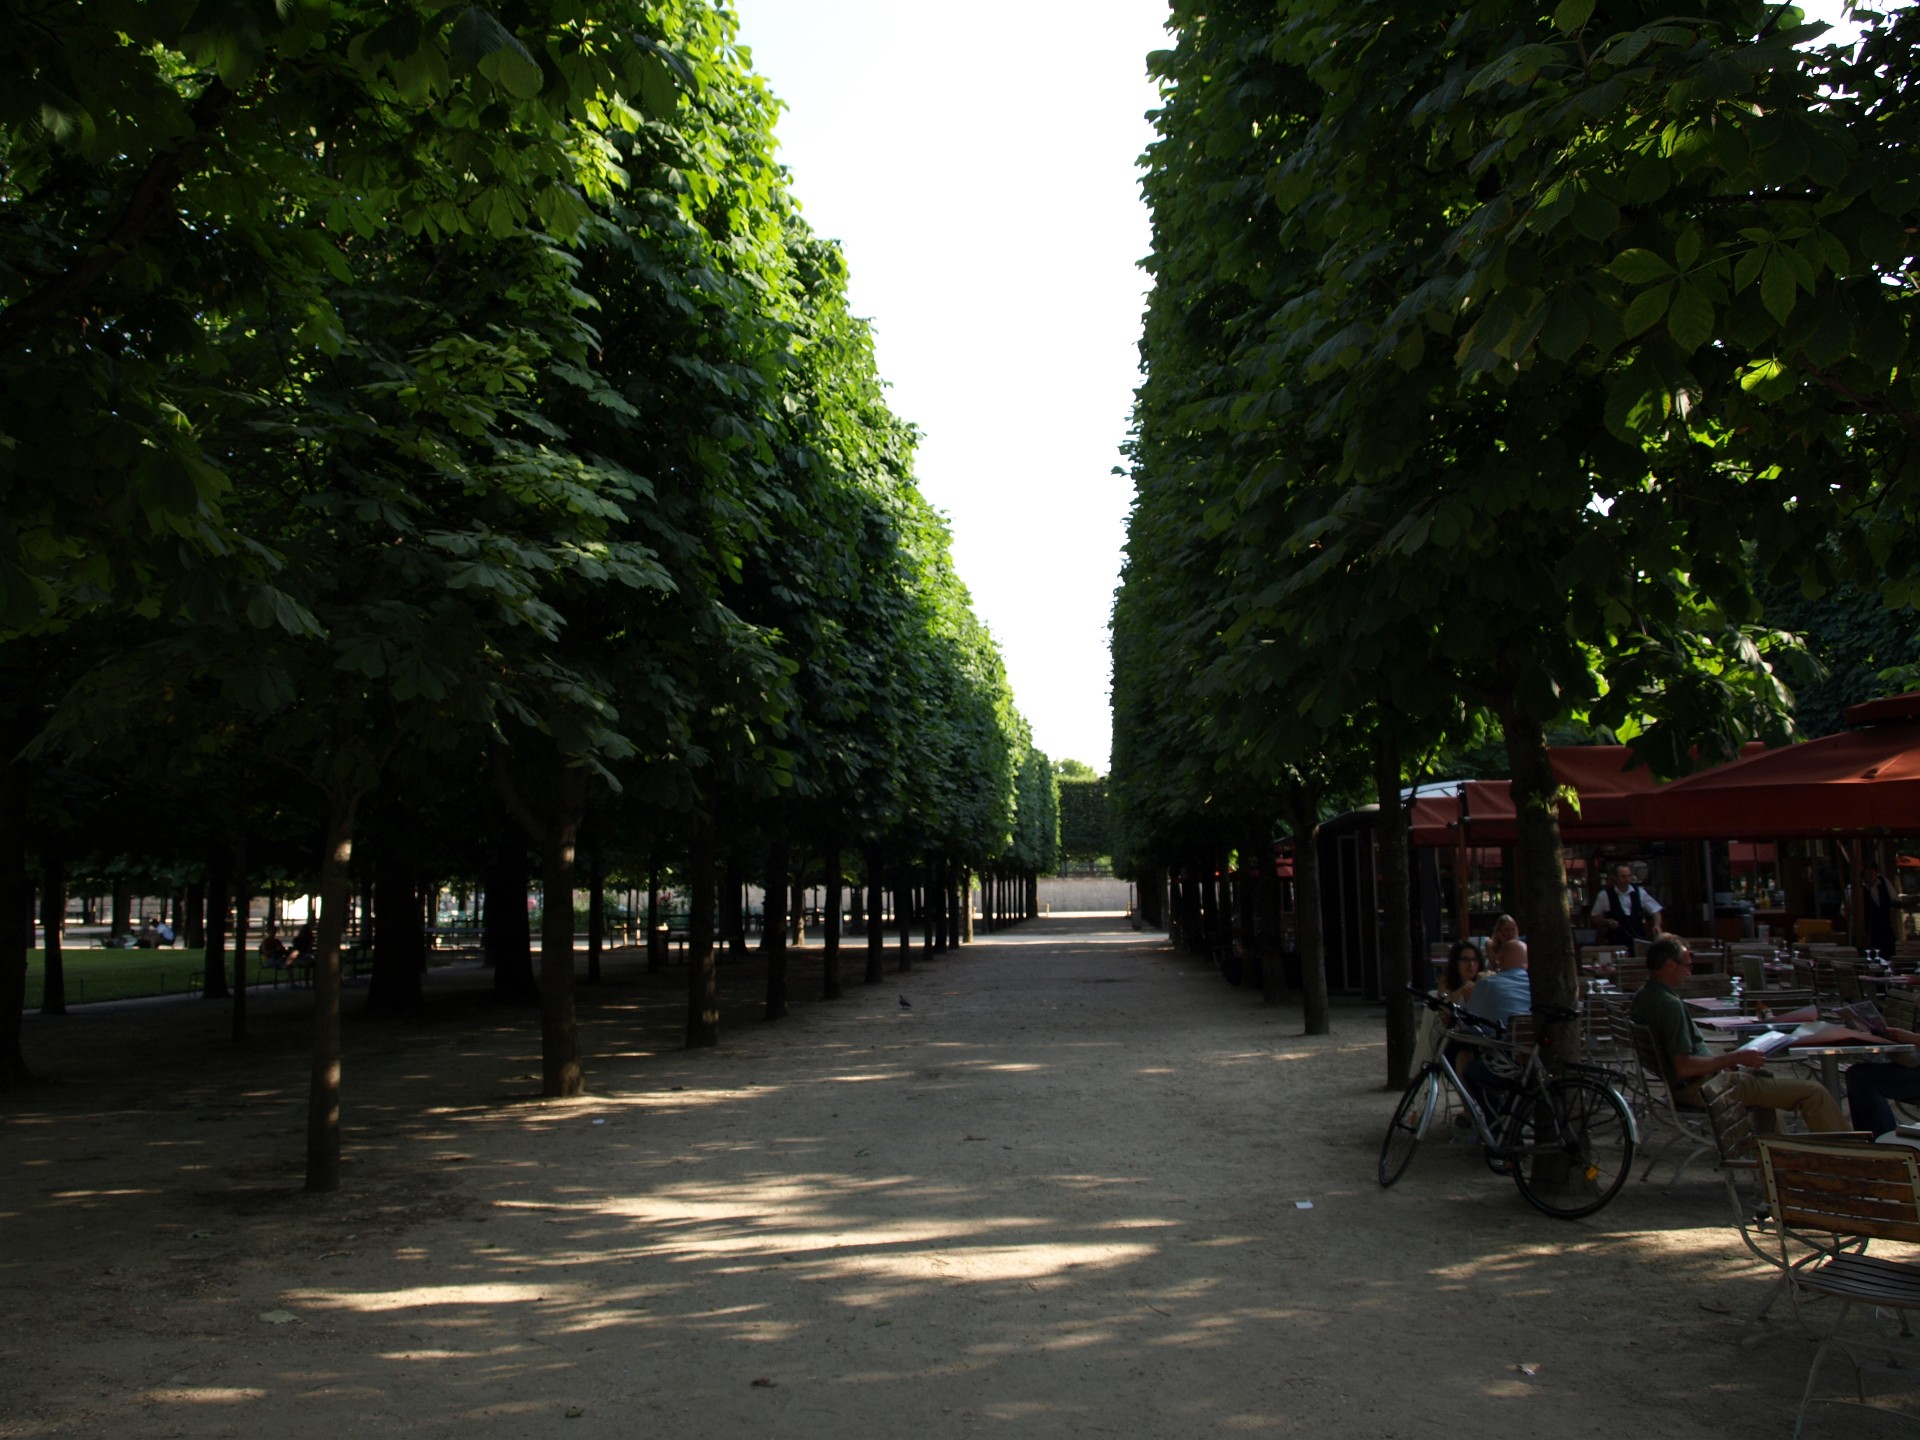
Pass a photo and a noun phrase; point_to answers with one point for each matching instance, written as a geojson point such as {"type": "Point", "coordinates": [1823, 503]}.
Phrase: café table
{"type": "Point", "coordinates": [1827, 1057]}
{"type": "Point", "coordinates": [1830, 1056]}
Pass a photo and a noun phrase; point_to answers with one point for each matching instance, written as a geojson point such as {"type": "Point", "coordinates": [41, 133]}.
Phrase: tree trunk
{"type": "Point", "coordinates": [703, 993]}
{"type": "Point", "coordinates": [937, 907]}
{"type": "Point", "coordinates": [1395, 939]}
{"type": "Point", "coordinates": [830, 940]}
{"type": "Point", "coordinates": [122, 909]}
{"type": "Point", "coordinates": [656, 947]}
{"type": "Point", "coordinates": [506, 936]}
{"type": "Point", "coordinates": [219, 896]}
{"type": "Point", "coordinates": [560, 1073]}
{"type": "Point", "coordinates": [596, 917]}
{"type": "Point", "coordinates": [876, 918]}
{"type": "Point", "coordinates": [733, 907]}
{"type": "Point", "coordinates": [323, 1092]}
{"type": "Point", "coordinates": [774, 921]}
{"type": "Point", "coordinates": [53, 916]}
{"type": "Point", "coordinates": [966, 904]}
{"type": "Point", "coordinates": [928, 890]}
{"type": "Point", "coordinates": [242, 913]}
{"type": "Point", "coordinates": [16, 896]}
{"type": "Point", "coordinates": [1542, 875]}
{"type": "Point", "coordinates": [193, 932]}
{"type": "Point", "coordinates": [399, 936]}
{"type": "Point", "coordinates": [1267, 927]}
{"type": "Point", "coordinates": [553, 824]}
{"type": "Point", "coordinates": [903, 914]}
{"type": "Point", "coordinates": [1303, 810]}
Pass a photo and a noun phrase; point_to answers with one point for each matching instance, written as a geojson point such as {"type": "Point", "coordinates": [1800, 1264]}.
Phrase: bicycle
{"type": "Point", "coordinates": [1566, 1137]}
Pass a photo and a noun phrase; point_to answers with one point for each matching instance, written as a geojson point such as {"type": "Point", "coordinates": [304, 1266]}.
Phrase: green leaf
{"type": "Point", "coordinates": [1595, 216]}
{"type": "Point", "coordinates": [1570, 15]}
{"type": "Point", "coordinates": [1566, 328]}
{"type": "Point", "coordinates": [1778, 287]}
{"type": "Point", "coordinates": [1690, 321]}
{"type": "Point", "coordinates": [1639, 267]}
{"type": "Point", "coordinates": [1766, 379]}
{"type": "Point", "coordinates": [1647, 308]}
{"type": "Point", "coordinates": [1648, 178]}
{"type": "Point", "coordinates": [1686, 249]}
{"type": "Point", "coordinates": [1786, 160]}
{"type": "Point", "coordinates": [513, 68]}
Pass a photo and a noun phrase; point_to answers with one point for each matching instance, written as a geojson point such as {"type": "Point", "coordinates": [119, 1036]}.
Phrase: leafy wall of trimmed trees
{"type": "Point", "coordinates": [1498, 356]}
{"type": "Point", "coordinates": [434, 445]}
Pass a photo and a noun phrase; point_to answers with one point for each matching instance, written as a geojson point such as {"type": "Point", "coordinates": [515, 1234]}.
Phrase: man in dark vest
{"type": "Point", "coordinates": [1881, 911]}
{"type": "Point", "coordinates": [1623, 913]}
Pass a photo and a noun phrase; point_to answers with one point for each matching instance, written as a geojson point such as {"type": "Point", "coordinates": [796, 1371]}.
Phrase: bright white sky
{"type": "Point", "coordinates": [977, 164]}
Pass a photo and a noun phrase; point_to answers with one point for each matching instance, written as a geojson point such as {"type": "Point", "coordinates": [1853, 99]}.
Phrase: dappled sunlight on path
{"type": "Point", "coordinates": [1077, 1185]}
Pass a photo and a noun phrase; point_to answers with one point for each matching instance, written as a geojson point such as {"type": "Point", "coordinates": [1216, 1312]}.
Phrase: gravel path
{"type": "Point", "coordinates": [1076, 1186]}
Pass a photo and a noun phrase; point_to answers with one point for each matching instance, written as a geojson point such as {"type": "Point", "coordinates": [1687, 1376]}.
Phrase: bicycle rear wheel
{"type": "Point", "coordinates": [1572, 1147]}
{"type": "Point", "coordinates": [1409, 1124]}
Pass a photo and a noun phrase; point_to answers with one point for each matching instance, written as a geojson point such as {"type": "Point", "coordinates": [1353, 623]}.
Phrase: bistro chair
{"type": "Point", "coordinates": [1901, 1008]}
{"type": "Point", "coordinates": [1737, 1141]}
{"type": "Point", "coordinates": [1703, 987]}
{"type": "Point", "coordinates": [1682, 1129]}
{"type": "Point", "coordinates": [1849, 1192]}
{"type": "Point", "coordinates": [1846, 980]}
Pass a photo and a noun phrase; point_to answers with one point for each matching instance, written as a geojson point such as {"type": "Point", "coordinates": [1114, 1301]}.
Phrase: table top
{"type": "Point", "coordinates": [1840, 1052]}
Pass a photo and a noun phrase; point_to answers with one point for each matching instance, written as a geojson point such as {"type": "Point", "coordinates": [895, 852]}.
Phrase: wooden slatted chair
{"type": "Point", "coordinates": [1901, 1007]}
{"type": "Point", "coordinates": [1698, 986]}
{"type": "Point", "coordinates": [1682, 1129]}
{"type": "Point", "coordinates": [1737, 1141]}
{"type": "Point", "coordinates": [1848, 1191]}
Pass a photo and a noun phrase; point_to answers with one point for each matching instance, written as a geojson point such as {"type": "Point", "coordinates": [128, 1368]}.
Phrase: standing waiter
{"type": "Point", "coordinates": [1624, 913]}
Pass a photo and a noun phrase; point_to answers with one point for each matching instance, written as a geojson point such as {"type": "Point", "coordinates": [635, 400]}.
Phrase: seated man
{"type": "Point", "coordinates": [1657, 1005]}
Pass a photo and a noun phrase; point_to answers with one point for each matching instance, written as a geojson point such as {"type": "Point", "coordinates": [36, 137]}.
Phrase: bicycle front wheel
{"type": "Point", "coordinates": [1572, 1147]}
{"type": "Point", "coordinates": [1409, 1124]}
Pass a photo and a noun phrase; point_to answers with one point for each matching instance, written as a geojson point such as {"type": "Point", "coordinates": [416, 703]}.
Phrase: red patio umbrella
{"type": "Point", "coordinates": [1597, 773]}
{"type": "Point", "coordinates": [1861, 781]}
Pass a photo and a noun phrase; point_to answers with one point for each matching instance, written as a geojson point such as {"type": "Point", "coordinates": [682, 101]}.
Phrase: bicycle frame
{"type": "Point", "coordinates": [1531, 1082]}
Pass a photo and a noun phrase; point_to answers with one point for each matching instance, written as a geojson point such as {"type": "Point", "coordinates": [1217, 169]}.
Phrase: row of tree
{"type": "Point", "coordinates": [404, 404]}
{"type": "Point", "coordinates": [1503, 360]}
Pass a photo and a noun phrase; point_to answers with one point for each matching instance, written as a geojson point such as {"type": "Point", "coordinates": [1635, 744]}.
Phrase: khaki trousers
{"type": "Point", "coordinates": [1762, 1090]}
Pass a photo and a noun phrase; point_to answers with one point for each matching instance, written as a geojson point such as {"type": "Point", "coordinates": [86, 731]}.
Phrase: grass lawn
{"type": "Point", "coordinates": [117, 974]}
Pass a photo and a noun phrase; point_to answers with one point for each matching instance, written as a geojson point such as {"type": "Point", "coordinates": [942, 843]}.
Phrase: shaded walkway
{"type": "Point", "coordinates": [1058, 1194]}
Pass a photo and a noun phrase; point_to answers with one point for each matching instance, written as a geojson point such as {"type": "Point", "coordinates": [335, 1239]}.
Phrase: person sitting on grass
{"type": "Point", "coordinates": [1658, 1006]}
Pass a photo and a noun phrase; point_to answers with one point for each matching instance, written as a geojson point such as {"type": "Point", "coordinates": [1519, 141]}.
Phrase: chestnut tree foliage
{"type": "Point", "coordinates": [1497, 353]}
{"type": "Point", "coordinates": [454, 392]}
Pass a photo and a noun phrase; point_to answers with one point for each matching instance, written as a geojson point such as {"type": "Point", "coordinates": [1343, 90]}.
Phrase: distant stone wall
{"type": "Point", "coordinates": [1059, 893]}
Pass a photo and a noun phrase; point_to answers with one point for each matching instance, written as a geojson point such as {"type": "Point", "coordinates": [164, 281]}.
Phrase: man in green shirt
{"type": "Point", "coordinates": [1658, 1006]}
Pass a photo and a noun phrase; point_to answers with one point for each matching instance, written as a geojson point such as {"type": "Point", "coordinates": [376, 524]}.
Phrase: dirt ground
{"type": "Point", "coordinates": [1063, 1191]}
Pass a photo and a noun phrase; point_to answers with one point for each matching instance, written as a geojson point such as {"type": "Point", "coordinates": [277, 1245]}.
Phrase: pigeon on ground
{"type": "Point", "coordinates": [905, 1004]}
